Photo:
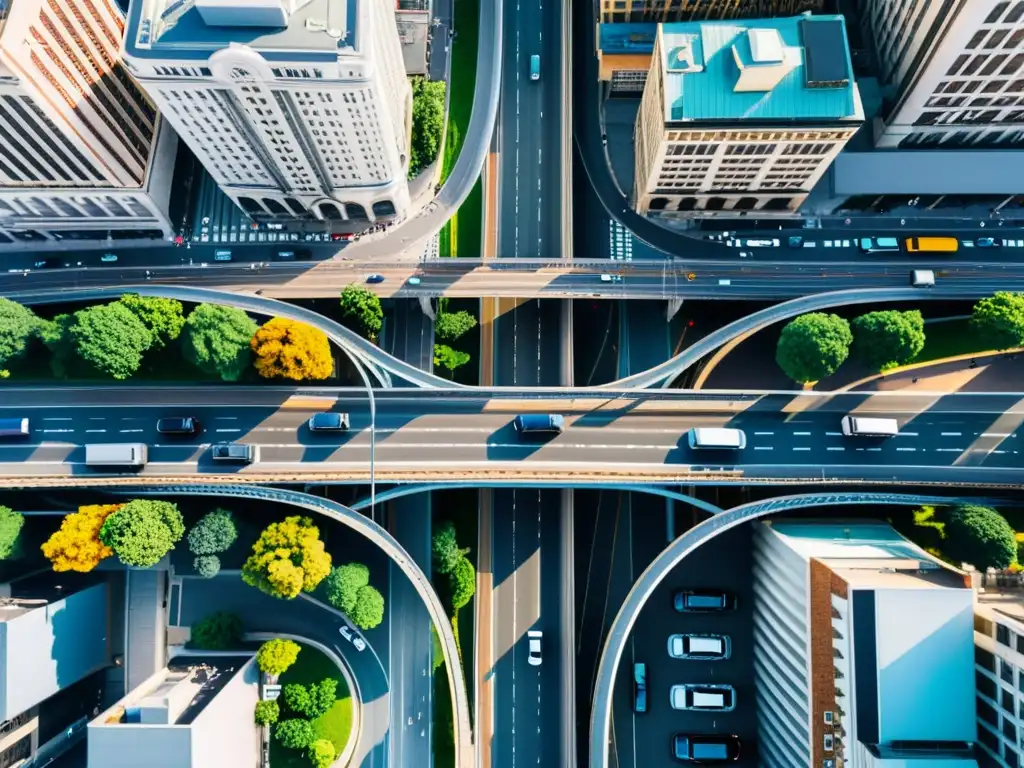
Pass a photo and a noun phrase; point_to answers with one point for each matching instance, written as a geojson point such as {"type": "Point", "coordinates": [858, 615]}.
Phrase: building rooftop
{"type": "Point", "coordinates": [43, 589]}
{"type": "Point", "coordinates": [279, 29]}
{"type": "Point", "coordinates": [622, 39]}
{"type": "Point", "coordinates": [180, 695]}
{"type": "Point", "coordinates": [786, 69]}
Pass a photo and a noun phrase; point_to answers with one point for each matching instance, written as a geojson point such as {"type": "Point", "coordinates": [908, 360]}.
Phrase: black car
{"type": "Point", "coordinates": [178, 425]}
{"type": "Point", "coordinates": [328, 422]}
{"type": "Point", "coordinates": [240, 453]}
{"type": "Point", "coordinates": [701, 600]}
{"type": "Point", "coordinates": [705, 750]}
{"type": "Point", "coordinates": [50, 263]}
{"type": "Point", "coordinates": [303, 254]}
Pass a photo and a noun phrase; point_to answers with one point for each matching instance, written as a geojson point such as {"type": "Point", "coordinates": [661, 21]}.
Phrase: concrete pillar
{"type": "Point", "coordinates": [673, 306]}
{"type": "Point", "coordinates": [427, 307]}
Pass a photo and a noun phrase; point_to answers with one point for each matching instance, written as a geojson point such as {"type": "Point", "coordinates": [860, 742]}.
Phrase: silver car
{"type": "Point", "coordinates": [699, 647]}
{"type": "Point", "coordinates": [703, 697]}
{"type": "Point", "coordinates": [534, 636]}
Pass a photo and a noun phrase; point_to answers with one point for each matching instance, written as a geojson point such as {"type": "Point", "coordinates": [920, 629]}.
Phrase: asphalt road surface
{"type": "Point", "coordinates": [968, 437]}
{"type": "Point", "coordinates": [763, 276]}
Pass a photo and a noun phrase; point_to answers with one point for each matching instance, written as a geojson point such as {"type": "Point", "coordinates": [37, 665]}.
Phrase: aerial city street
{"type": "Point", "coordinates": [521, 384]}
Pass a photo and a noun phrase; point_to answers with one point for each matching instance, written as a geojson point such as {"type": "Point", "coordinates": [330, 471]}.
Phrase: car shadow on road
{"type": "Point", "coordinates": [507, 444]}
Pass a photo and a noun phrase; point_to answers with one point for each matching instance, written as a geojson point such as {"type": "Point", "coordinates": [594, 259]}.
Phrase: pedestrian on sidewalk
{"type": "Point", "coordinates": [914, 380]}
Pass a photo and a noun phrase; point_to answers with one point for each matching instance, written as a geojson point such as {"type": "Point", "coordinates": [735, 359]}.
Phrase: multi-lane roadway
{"type": "Point", "coordinates": [457, 436]}
{"type": "Point", "coordinates": [544, 279]}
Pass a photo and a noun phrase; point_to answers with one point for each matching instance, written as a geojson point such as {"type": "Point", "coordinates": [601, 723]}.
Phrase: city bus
{"type": "Point", "coordinates": [932, 244]}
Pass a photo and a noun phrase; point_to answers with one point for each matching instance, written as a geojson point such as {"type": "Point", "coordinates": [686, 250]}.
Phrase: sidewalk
{"type": "Point", "coordinates": [993, 372]}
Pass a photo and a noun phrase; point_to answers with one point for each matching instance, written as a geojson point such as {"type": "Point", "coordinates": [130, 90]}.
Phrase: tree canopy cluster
{"type": "Point", "coordinates": [450, 559]}
{"type": "Point", "coordinates": [11, 523]}
{"type": "Point", "coordinates": [220, 631]}
{"type": "Point", "coordinates": [979, 536]}
{"type": "Point", "coordinates": [1000, 319]}
{"type": "Point", "coordinates": [288, 558]}
{"type": "Point", "coordinates": [275, 656]}
{"type": "Point", "coordinates": [348, 589]}
{"type": "Point", "coordinates": [211, 536]}
{"type": "Point", "coordinates": [427, 123]}
{"type": "Point", "coordinates": [116, 339]}
{"type": "Point", "coordinates": [363, 307]}
{"type": "Point", "coordinates": [76, 546]}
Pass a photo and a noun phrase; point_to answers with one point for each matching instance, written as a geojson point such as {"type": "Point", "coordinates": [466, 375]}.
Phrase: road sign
{"type": "Point", "coordinates": [271, 692]}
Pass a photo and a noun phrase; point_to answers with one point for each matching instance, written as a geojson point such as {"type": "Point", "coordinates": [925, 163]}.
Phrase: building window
{"type": "Point", "coordinates": [1010, 730]}
{"type": "Point", "coordinates": [987, 712]}
{"type": "Point", "coordinates": [1006, 701]}
{"type": "Point", "coordinates": [1006, 672]}
{"type": "Point", "coordinates": [1004, 636]}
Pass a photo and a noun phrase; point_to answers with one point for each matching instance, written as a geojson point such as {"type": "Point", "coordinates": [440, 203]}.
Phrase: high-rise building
{"type": "Point", "coordinates": [999, 672]}
{"type": "Point", "coordinates": [701, 10]}
{"type": "Point", "coordinates": [863, 649]}
{"type": "Point", "coordinates": [742, 116]}
{"type": "Point", "coordinates": [952, 72]}
{"type": "Point", "coordinates": [297, 108]}
{"type": "Point", "coordinates": [83, 152]}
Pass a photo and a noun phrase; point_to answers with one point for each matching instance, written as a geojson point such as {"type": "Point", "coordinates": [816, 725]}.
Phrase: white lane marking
{"type": "Point", "coordinates": [764, 433]}
{"type": "Point", "coordinates": [906, 434]}
{"type": "Point", "coordinates": [126, 431]}
{"type": "Point", "coordinates": [90, 431]}
{"type": "Point", "coordinates": [834, 434]}
{"type": "Point", "coordinates": [49, 431]}
{"type": "Point", "coordinates": [225, 418]}
{"type": "Point", "coordinates": [835, 448]}
{"type": "Point", "coordinates": [951, 434]}
{"type": "Point", "coordinates": [764, 448]}
{"type": "Point", "coordinates": [950, 450]}
{"type": "Point", "coordinates": [802, 434]}
{"type": "Point", "coordinates": [47, 418]}
{"type": "Point", "coordinates": [906, 449]}
{"type": "Point", "coordinates": [997, 434]}
{"type": "Point", "coordinates": [801, 449]}
{"type": "Point", "coordinates": [874, 449]}
{"type": "Point", "coordinates": [998, 451]}
{"type": "Point", "coordinates": [228, 430]}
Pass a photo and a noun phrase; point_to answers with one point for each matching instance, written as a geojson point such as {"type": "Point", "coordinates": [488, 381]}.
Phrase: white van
{"type": "Point", "coordinates": [116, 454]}
{"type": "Point", "coordinates": [922, 278]}
{"type": "Point", "coordinates": [699, 647]}
{"type": "Point", "coordinates": [861, 426]}
{"type": "Point", "coordinates": [716, 437]}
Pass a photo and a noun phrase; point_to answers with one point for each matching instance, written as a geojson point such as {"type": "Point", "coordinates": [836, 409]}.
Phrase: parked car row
{"type": "Point", "coordinates": [697, 748]}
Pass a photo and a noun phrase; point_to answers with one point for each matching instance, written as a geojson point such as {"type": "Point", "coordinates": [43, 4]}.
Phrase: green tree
{"type": "Point", "coordinates": [368, 612]}
{"type": "Point", "coordinates": [296, 698]}
{"type": "Point", "coordinates": [206, 566]}
{"type": "Point", "coordinates": [463, 581]}
{"type": "Point", "coordinates": [363, 306]}
{"type": "Point", "coordinates": [888, 338]}
{"type": "Point", "coordinates": [163, 318]}
{"type": "Point", "coordinates": [56, 335]}
{"type": "Point", "coordinates": [311, 700]}
{"type": "Point", "coordinates": [294, 733]}
{"type": "Point", "coordinates": [427, 123]}
{"type": "Point", "coordinates": [813, 346]}
{"type": "Point", "coordinates": [11, 523]}
{"type": "Point", "coordinates": [220, 631]}
{"type": "Point", "coordinates": [436, 651]}
{"type": "Point", "coordinates": [321, 753]}
{"type": "Point", "coordinates": [142, 531]}
{"type": "Point", "coordinates": [214, 533]}
{"type": "Point", "coordinates": [267, 712]}
{"type": "Point", "coordinates": [18, 326]}
{"type": "Point", "coordinates": [275, 656]}
{"type": "Point", "coordinates": [979, 536]}
{"type": "Point", "coordinates": [451, 325]}
{"type": "Point", "coordinates": [449, 358]}
{"type": "Point", "coordinates": [447, 553]}
{"type": "Point", "coordinates": [343, 585]}
{"type": "Point", "coordinates": [110, 338]}
{"type": "Point", "coordinates": [999, 319]}
{"type": "Point", "coordinates": [216, 340]}
{"type": "Point", "coordinates": [288, 558]}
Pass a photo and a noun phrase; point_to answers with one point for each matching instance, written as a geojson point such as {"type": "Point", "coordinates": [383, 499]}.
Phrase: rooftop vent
{"type": "Point", "coordinates": [683, 57]}
{"type": "Point", "coordinates": [765, 46]}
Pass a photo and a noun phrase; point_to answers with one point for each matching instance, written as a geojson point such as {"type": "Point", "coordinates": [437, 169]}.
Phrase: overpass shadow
{"type": "Point", "coordinates": [604, 412]}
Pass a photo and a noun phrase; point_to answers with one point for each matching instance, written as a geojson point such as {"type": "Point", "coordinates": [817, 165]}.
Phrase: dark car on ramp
{"type": "Point", "coordinates": [697, 749]}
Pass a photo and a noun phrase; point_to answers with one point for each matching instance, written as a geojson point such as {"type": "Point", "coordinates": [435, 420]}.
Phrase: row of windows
{"type": "Point", "coordinates": [183, 71]}
{"type": "Point", "coordinates": [985, 65]}
{"type": "Point", "coordinates": [758, 136]}
{"type": "Point", "coordinates": [305, 73]}
{"type": "Point", "coordinates": [991, 38]}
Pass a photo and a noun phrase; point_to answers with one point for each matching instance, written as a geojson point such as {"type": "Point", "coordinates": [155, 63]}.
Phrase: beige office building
{"type": "Point", "coordinates": [83, 153]}
{"type": "Point", "coordinates": [742, 116]}
{"type": "Point", "coordinates": [297, 108]}
{"type": "Point", "coordinates": [952, 72]}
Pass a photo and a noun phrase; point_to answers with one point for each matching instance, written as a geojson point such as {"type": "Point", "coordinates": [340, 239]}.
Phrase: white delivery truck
{"type": "Point", "coordinates": [116, 454]}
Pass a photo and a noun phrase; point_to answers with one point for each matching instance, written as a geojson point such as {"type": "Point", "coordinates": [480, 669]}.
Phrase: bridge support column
{"type": "Point", "coordinates": [427, 307]}
{"type": "Point", "coordinates": [673, 307]}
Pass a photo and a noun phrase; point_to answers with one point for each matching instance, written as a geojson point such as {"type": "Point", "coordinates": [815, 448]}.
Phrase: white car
{"type": "Point", "coordinates": [773, 243]}
{"type": "Point", "coordinates": [357, 642]}
{"type": "Point", "coordinates": [611, 278]}
{"type": "Point", "coordinates": [534, 636]}
{"type": "Point", "coordinates": [745, 254]}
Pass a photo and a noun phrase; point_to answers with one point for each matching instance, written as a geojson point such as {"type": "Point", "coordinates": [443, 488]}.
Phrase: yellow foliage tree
{"type": "Point", "coordinates": [287, 558]}
{"type": "Point", "coordinates": [291, 350]}
{"type": "Point", "coordinates": [77, 546]}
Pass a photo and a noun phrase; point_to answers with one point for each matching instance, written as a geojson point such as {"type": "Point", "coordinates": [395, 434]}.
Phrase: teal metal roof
{"type": "Point", "coordinates": [702, 64]}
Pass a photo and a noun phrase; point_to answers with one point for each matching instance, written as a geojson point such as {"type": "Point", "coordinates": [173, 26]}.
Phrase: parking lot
{"type": "Point", "coordinates": [645, 739]}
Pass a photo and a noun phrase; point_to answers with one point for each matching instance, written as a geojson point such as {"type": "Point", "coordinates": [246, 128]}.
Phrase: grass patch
{"type": "Point", "coordinates": [949, 338]}
{"type": "Point", "coordinates": [468, 224]}
{"type": "Point", "coordinates": [460, 506]}
{"type": "Point", "coordinates": [462, 82]}
{"type": "Point", "coordinates": [313, 666]}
